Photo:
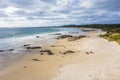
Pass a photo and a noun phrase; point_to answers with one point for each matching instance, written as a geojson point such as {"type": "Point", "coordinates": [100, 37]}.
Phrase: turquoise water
{"type": "Point", "coordinates": [12, 37]}
{"type": "Point", "coordinates": [20, 32]}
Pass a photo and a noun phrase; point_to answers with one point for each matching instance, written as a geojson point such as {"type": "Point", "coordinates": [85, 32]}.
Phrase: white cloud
{"type": "Point", "coordinates": [87, 3]}
{"type": "Point", "coordinates": [57, 12]}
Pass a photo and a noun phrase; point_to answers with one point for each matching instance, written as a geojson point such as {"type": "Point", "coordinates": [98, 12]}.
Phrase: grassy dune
{"type": "Point", "coordinates": [112, 30]}
{"type": "Point", "coordinates": [112, 37]}
{"type": "Point", "coordinates": [112, 33]}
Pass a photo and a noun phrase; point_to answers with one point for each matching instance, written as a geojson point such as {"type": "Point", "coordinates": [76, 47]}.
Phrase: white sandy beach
{"type": "Point", "coordinates": [103, 64]}
{"type": "Point", "coordinates": [94, 59]}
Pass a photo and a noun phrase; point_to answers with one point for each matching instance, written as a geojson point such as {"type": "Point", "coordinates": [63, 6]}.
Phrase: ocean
{"type": "Point", "coordinates": [20, 32]}
{"type": "Point", "coordinates": [15, 38]}
{"type": "Point", "coordinates": [10, 37]}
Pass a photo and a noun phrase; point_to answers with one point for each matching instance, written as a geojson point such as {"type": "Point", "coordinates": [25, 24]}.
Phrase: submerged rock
{"type": "Point", "coordinates": [26, 45]}
{"type": "Point", "coordinates": [36, 47]}
{"type": "Point", "coordinates": [2, 50]}
{"type": "Point", "coordinates": [6, 50]}
{"type": "Point", "coordinates": [87, 30]}
{"type": "Point", "coordinates": [58, 34]}
{"type": "Point", "coordinates": [37, 36]}
{"type": "Point", "coordinates": [10, 50]}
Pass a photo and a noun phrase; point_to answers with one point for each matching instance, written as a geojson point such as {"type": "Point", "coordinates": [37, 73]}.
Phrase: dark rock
{"type": "Point", "coordinates": [10, 50]}
{"type": "Point", "coordinates": [26, 45]}
{"type": "Point", "coordinates": [25, 66]}
{"type": "Point", "coordinates": [53, 46]}
{"type": "Point", "coordinates": [47, 51]}
{"type": "Point", "coordinates": [41, 54]}
{"type": "Point", "coordinates": [87, 53]}
{"type": "Point", "coordinates": [64, 36]}
{"type": "Point", "coordinates": [50, 53]}
{"type": "Point", "coordinates": [68, 52]}
{"type": "Point", "coordinates": [2, 50]}
{"type": "Point", "coordinates": [70, 37]}
{"type": "Point", "coordinates": [58, 34]}
{"type": "Point", "coordinates": [6, 50]}
{"type": "Point", "coordinates": [87, 30]}
{"type": "Point", "coordinates": [36, 47]}
{"type": "Point", "coordinates": [35, 59]}
{"type": "Point", "coordinates": [57, 45]}
{"type": "Point", "coordinates": [37, 36]}
{"type": "Point", "coordinates": [74, 38]}
{"type": "Point", "coordinates": [91, 52]}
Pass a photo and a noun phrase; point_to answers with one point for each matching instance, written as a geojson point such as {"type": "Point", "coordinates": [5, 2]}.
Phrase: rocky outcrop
{"type": "Point", "coordinates": [71, 37]}
{"type": "Point", "coordinates": [64, 36]}
{"type": "Point", "coordinates": [35, 59]}
{"type": "Point", "coordinates": [89, 52]}
{"type": "Point", "coordinates": [69, 52]}
{"type": "Point", "coordinates": [74, 38]}
{"type": "Point", "coordinates": [46, 51]}
{"type": "Point", "coordinates": [7, 50]}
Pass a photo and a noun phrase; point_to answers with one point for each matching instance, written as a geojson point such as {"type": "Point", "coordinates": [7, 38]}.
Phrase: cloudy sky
{"type": "Point", "coordinates": [58, 12]}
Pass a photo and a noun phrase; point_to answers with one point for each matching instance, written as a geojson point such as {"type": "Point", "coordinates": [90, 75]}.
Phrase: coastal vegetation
{"type": "Point", "coordinates": [112, 37]}
{"type": "Point", "coordinates": [112, 30]}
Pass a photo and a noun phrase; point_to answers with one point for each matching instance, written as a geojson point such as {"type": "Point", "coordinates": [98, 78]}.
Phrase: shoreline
{"type": "Point", "coordinates": [78, 55]}
{"type": "Point", "coordinates": [39, 40]}
{"type": "Point", "coordinates": [24, 60]}
{"type": "Point", "coordinates": [11, 54]}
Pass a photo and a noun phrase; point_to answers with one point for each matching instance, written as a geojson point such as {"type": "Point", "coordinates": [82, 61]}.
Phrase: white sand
{"type": "Point", "coordinates": [103, 64]}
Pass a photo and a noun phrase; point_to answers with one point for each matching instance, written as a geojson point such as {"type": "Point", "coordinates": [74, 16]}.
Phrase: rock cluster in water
{"type": "Point", "coordinates": [35, 47]}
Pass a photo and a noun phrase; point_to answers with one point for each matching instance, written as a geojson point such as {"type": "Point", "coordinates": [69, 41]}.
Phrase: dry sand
{"type": "Point", "coordinates": [102, 64]}
{"type": "Point", "coordinates": [94, 59]}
